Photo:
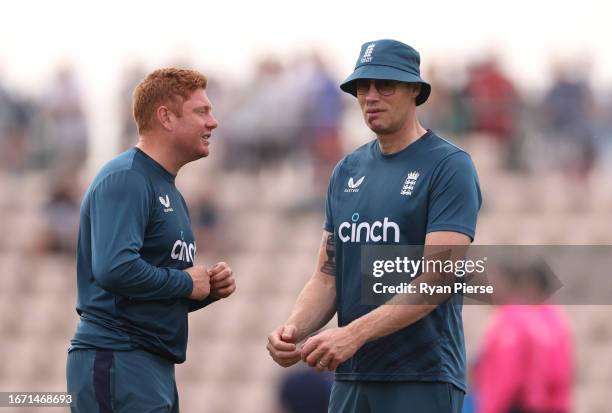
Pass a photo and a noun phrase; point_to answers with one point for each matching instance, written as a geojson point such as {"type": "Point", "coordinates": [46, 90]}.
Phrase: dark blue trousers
{"type": "Point", "coordinates": [103, 381]}
{"type": "Point", "coordinates": [395, 397]}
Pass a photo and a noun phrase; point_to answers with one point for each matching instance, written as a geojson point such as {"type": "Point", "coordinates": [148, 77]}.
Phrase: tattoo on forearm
{"type": "Point", "coordinates": [329, 266]}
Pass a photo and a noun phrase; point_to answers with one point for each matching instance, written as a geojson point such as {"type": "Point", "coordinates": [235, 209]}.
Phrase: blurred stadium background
{"type": "Point", "coordinates": [533, 110]}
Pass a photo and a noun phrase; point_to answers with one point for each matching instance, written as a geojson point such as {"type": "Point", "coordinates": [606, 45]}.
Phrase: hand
{"type": "Point", "coordinates": [328, 349]}
{"type": "Point", "coordinates": [282, 345]}
{"type": "Point", "coordinates": [222, 283]}
{"type": "Point", "coordinates": [201, 282]}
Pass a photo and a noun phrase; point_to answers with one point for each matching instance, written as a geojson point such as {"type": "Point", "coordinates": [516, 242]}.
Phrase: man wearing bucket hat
{"type": "Point", "coordinates": [406, 187]}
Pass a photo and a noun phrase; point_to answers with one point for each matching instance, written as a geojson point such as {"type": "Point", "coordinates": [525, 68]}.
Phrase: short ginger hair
{"type": "Point", "coordinates": [169, 87]}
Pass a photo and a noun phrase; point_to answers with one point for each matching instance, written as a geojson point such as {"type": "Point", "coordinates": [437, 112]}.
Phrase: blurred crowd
{"type": "Point", "coordinates": [562, 127]}
{"type": "Point", "coordinates": [293, 113]}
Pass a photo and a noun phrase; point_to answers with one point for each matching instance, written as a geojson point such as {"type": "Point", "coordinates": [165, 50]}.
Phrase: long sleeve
{"type": "Point", "coordinates": [119, 212]}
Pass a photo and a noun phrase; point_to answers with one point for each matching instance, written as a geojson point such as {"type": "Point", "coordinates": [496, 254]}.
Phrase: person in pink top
{"type": "Point", "coordinates": [526, 362]}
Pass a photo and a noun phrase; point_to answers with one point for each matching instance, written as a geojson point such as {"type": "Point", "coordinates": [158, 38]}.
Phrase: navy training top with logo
{"type": "Point", "coordinates": [431, 185]}
{"type": "Point", "coordinates": [135, 239]}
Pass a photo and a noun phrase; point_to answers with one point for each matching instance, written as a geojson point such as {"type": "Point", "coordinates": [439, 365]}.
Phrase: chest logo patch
{"type": "Point", "coordinates": [166, 203]}
{"type": "Point", "coordinates": [409, 183]}
{"type": "Point", "coordinates": [353, 186]}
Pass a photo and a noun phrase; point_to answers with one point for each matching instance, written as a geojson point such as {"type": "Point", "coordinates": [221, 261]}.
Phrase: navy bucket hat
{"type": "Point", "coordinates": [390, 60]}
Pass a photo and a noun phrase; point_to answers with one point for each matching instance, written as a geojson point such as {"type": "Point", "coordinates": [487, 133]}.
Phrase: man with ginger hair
{"type": "Point", "coordinates": [136, 274]}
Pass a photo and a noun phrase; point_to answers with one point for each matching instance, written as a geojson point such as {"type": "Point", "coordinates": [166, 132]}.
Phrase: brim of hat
{"type": "Point", "coordinates": [385, 72]}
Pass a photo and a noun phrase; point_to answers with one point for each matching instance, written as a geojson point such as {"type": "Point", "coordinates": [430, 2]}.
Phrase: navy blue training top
{"type": "Point", "coordinates": [134, 240]}
{"type": "Point", "coordinates": [376, 199]}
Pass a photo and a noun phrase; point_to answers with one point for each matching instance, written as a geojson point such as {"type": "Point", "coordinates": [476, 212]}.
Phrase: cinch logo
{"type": "Point", "coordinates": [366, 232]}
{"type": "Point", "coordinates": [183, 251]}
{"type": "Point", "coordinates": [354, 186]}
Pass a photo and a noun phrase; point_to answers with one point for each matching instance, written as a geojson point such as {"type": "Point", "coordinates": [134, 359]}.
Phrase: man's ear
{"type": "Point", "coordinates": [164, 117]}
{"type": "Point", "coordinates": [416, 89]}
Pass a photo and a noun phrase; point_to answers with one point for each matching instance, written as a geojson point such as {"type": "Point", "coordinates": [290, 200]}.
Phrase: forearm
{"type": "Point", "coordinates": [315, 306]}
{"type": "Point", "coordinates": [387, 319]}
{"type": "Point", "coordinates": [398, 313]}
{"type": "Point", "coordinates": [141, 280]}
{"type": "Point", "coordinates": [403, 311]}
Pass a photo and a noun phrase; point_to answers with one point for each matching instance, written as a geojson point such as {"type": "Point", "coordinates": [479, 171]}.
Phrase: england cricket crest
{"type": "Point", "coordinates": [367, 54]}
{"type": "Point", "coordinates": [409, 183]}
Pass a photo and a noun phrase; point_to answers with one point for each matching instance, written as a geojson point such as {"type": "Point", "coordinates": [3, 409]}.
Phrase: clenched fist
{"type": "Point", "coordinates": [222, 283]}
{"type": "Point", "coordinates": [282, 346]}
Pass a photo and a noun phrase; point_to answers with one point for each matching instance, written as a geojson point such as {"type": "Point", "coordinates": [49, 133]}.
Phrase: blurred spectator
{"type": "Point", "coordinates": [526, 363]}
{"type": "Point", "coordinates": [603, 122]}
{"type": "Point", "coordinates": [65, 126]}
{"type": "Point", "coordinates": [445, 110]}
{"type": "Point", "coordinates": [15, 116]}
{"type": "Point", "coordinates": [261, 128]}
{"type": "Point", "coordinates": [205, 213]}
{"type": "Point", "coordinates": [61, 213]}
{"type": "Point", "coordinates": [568, 122]}
{"type": "Point", "coordinates": [323, 117]}
{"type": "Point", "coordinates": [129, 133]}
{"type": "Point", "coordinates": [305, 391]}
{"type": "Point", "coordinates": [493, 101]}
{"type": "Point", "coordinates": [494, 106]}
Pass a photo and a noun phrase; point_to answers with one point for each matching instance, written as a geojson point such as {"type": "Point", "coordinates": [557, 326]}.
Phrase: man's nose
{"type": "Point", "coordinates": [372, 92]}
{"type": "Point", "coordinates": [212, 123]}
